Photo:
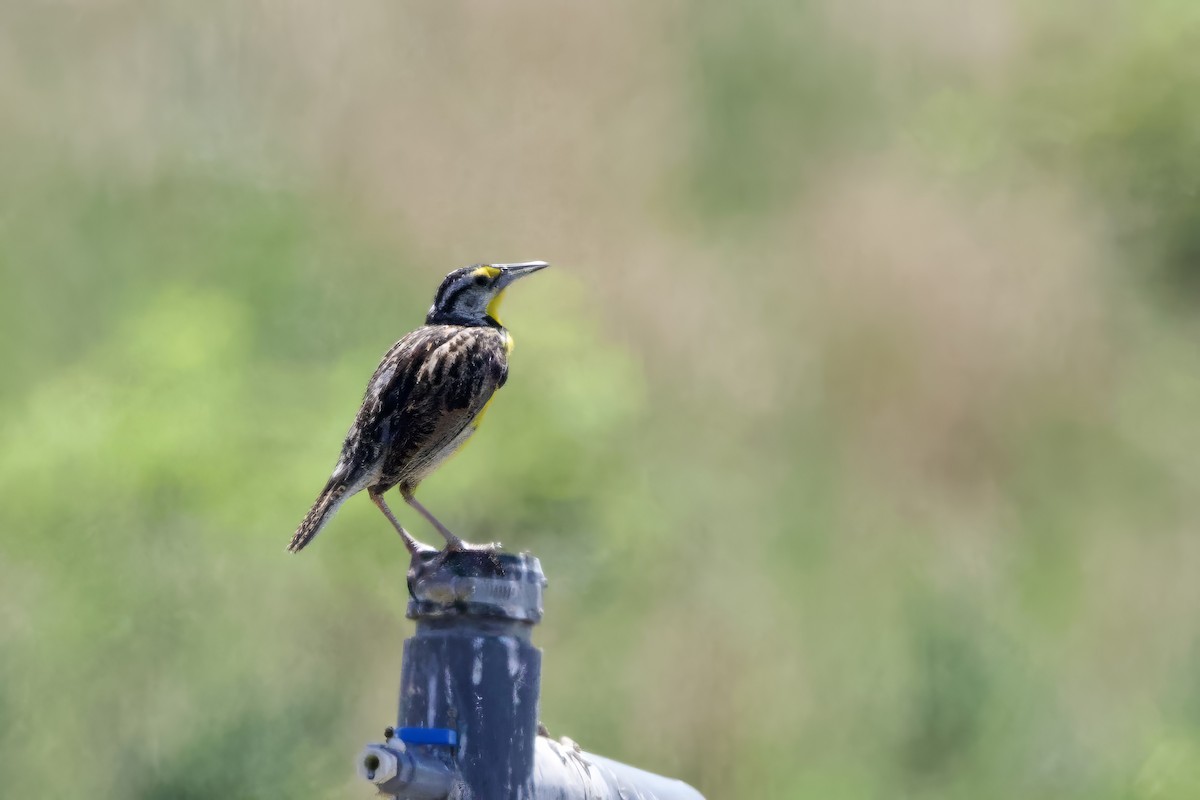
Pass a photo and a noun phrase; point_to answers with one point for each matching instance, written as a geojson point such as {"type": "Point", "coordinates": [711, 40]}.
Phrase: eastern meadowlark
{"type": "Point", "coordinates": [424, 400]}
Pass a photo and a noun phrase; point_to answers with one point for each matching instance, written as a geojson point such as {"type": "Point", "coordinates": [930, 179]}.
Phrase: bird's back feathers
{"type": "Point", "coordinates": [420, 406]}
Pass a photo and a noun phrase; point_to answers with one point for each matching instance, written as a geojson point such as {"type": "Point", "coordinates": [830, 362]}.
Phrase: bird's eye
{"type": "Point", "coordinates": [481, 280]}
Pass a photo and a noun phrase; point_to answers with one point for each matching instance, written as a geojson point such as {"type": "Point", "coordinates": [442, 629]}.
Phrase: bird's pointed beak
{"type": "Point", "coordinates": [510, 272]}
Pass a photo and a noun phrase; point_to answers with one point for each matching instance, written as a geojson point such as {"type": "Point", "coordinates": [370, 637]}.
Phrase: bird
{"type": "Point", "coordinates": [425, 399]}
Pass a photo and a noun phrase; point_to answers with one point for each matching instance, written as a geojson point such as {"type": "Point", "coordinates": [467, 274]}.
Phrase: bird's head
{"type": "Point", "coordinates": [471, 295]}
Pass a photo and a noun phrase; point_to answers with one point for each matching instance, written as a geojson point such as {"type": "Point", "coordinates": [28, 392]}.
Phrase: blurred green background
{"type": "Point", "coordinates": [855, 425]}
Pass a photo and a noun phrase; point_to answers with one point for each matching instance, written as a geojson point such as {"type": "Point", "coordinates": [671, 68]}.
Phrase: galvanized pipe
{"type": "Point", "coordinates": [468, 715]}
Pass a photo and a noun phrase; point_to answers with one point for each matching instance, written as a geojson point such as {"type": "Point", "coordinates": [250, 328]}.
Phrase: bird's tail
{"type": "Point", "coordinates": [329, 501]}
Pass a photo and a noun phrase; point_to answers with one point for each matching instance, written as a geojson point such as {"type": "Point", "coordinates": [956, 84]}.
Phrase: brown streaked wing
{"type": "Point", "coordinates": [366, 441]}
{"type": "Point", "coordinates": [438, 398]}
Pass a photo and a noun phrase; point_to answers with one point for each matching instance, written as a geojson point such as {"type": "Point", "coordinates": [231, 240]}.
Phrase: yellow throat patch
{"type": "Point", "coordinates": [493, 308]}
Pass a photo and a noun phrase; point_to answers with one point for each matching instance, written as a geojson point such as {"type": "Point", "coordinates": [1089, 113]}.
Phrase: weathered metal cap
{"type": "Point", "coordinates": [472, 583]}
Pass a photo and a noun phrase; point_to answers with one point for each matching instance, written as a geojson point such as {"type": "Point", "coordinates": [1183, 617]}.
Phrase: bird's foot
{"type": "Point", "coordinates": [457, 549]}
{"type": "Point", "coordinates": [416, 548]}
{"type": "Point", "coordinates": [489, 549]}
{"type": "Point", "coordinates": [457, 545]}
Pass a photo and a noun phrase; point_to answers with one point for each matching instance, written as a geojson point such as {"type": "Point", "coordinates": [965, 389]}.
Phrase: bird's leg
{"type": "Point", "coordinates": [410, 543]}
{"type": "Point", "coordinates": [453, 543]}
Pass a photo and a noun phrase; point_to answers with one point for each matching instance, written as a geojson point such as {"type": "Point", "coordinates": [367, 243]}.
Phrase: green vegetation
{"type": "Point", "coordinates": [855, 425]}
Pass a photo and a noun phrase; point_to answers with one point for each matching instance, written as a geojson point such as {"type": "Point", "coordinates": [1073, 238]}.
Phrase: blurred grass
{"type": "Point", "coordinates": [854, 425]}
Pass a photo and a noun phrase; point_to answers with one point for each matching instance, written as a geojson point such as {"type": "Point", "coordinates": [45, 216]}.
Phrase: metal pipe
{"type": "Point", "coordinates": [399, 771]}
{"type": "Point", "coordinates": [468, 711]}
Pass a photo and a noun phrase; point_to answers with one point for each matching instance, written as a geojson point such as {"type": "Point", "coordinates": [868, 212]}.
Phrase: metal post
{"type": "Point", "coordinates": [468, 716]}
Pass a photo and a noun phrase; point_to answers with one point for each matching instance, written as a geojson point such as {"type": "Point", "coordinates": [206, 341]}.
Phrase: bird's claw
{"type": "Point", "coordinates": [462, 547]}
{"type": "Point", "coordinates": [458, 547]}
